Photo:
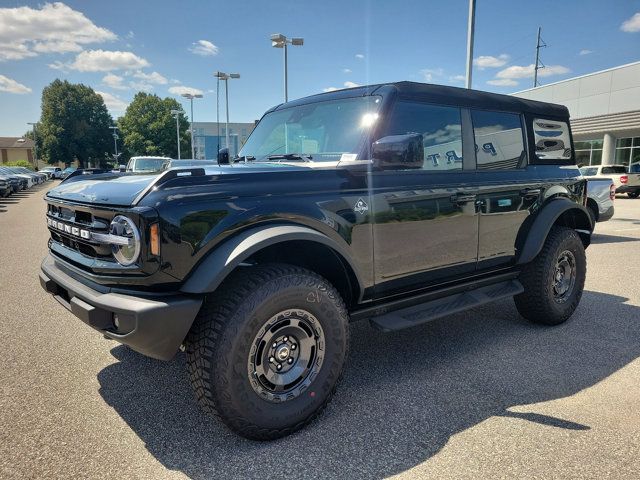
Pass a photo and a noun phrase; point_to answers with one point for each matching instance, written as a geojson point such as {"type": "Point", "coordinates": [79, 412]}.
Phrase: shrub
{"type": "Point", "coordinates": [20, 163]}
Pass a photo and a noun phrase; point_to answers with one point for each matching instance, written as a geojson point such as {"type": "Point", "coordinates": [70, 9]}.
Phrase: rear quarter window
{"type": "Point", "coordinates": [615, 170]}
{"type": "Point", "coordinates": [552, 139]}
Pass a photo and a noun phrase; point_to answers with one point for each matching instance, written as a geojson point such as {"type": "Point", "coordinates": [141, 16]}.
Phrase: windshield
{"type": "Point", "coordinates": [321, 131]}
{"type": "Point", "coordinates": [589, 171]}
{"type": "Point", "coordinates": [147, 164]}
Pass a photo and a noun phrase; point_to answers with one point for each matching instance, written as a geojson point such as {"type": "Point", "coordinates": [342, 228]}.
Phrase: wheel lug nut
{"type": "Point", "coordinates": [293, 347]}
{"type": "Point", "coordinates": [274, 345]}
{"type": "Point", "coordinates": [290, 360]}
{"type": "Point", "coordinates": [271, 359]}
{"type": "Point", "coordinates": [285, 339]}
{"type": "Point", "coordinates": [279, 367]}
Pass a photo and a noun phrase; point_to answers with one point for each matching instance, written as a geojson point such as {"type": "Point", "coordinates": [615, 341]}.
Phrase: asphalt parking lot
{"type": "Point", "coordinates": [481, 394]}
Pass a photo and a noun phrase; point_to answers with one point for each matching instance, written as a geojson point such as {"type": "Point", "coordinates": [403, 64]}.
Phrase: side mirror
{"type": "Point", "coordinates": [122, 168]}
{"type": "Point", "coordinates": [223, 156]}
{"type": "Point", "coordinates": [398, 152]}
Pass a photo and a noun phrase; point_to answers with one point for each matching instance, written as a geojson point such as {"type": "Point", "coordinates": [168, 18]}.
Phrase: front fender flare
{"type": "Point", "coordinates": [543, 222]}
{"type": "Point", "coordinates": [210, 273]}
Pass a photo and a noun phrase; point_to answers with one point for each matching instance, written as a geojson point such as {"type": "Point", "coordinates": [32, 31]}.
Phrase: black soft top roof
{"type": "Point", "coordinates": [443, 95]}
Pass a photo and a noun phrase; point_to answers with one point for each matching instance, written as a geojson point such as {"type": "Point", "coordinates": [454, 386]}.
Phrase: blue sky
{"type": "Point", "coordinates": [119, 47]}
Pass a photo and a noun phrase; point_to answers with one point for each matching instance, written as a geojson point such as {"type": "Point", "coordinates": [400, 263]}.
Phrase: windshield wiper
{"type": "Point", "coordinates": [290, 156]}
{"type": "Point", "coordinates": [244, 158]}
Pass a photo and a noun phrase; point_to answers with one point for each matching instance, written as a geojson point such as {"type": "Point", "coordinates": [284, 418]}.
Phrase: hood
{"type": "Point", "coordinates": [104, 189]}
{"type": "Point", "coordinates": [118, 189]}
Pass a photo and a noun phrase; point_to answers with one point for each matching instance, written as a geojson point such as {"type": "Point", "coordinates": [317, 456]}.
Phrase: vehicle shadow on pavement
{"type": "Point", "coordinates": [597, 238]}
{"type": "Point", "coordinates": [15, 198]}
{"type": "Point", "coordinates": [404, 394]}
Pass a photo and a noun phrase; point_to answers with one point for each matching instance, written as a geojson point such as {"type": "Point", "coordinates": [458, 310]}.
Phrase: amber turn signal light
{"type": "Point", "coordinates": [154, 236]}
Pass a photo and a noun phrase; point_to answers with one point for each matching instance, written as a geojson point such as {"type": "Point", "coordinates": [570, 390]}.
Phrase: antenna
{"type": "Point", "coordinates": [539, 44]}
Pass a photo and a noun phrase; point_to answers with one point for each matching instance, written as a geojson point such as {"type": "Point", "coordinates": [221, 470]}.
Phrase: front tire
{"type": "Point", "coordinates": [267, 350]}
{"type": "Point", "coordinates": [553, 282]}
{"type": "Point", "coordinates": [635, 194]}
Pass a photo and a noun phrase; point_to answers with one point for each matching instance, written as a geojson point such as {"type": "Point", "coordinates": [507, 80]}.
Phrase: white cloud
{"type": "Point", "coordinates": [103, 61]}
{"type": "Point", "coordinates": [153, 77]}
{"type": "Point", "coordinates": [11, 86]}
{"type": "Point", "coordinates": [113, 102]}
{"type": "Point", "coordinates": [330, 89]}
{"type": "Point", "coordinates": [517, 71]}
{"type": "Point", "coordinates": [181, 89]}
{"type": "Point", "coordinates": [351, 84]}
{"type": "Point", "coordinates": [175, 81]}
{"type": "Point", "coordinates": [503, 82]}
{"type": "Point", "coordinates": [114, 81]}
{"type": "Point", "coordinates": [346, 70]}
{"type": "Point", "coordinates": [346, 85]}
{"type": "Point", "coordinates": [457, 78]}
{"type": "Point", "coordinates": [204, 48]}
{"type": "Point", "coordinates": [430, 74]}
{"type": "Point", "coordinates": [359, 56]}
{"type": "Point", "coordinates": [141, 86]}
{"type": "Point", "coordinates": [585, 52]}
{"type": "Point", "coordinates": [488, 61]}
{"type": "Point", "coordinates": [55, 27]}
{"type": "Point", "coordinates": [632, 24]}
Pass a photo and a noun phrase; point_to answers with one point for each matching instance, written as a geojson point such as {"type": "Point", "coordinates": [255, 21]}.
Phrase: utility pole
{"type": "Point", "coordinates": [177, 114]}
{"type": "Point", "coordinates": [470, 30]}
{"type": "Point", "coordinates": [539, 44]}
{"type": "Point", "coordinates": [35, 144]}
{"type": "Point", "coordinates": [115, 141]}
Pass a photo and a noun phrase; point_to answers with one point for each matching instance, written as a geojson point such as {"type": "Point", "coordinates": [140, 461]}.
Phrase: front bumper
{"type": "Point", "coordinates": [154, 326]}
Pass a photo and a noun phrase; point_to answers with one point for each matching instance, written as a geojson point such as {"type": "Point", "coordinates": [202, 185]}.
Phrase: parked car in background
{"type": "Point", "coordinates": [5, 188]}
{"type": "Point", "coordinates": [14, 181]}
{"type": "Point", "coordinates": [67, 171]}
{"type": "Point", "coordinates": [624, 181]}
{"type": "Point", "coordinates": [53, 172]}
{"type": "Point", "coordinates": [147, 164]}
{"type": "Point", "coordinates": [37, 177]}
{"type": "Point", "coordinates": [188, 163]}
{"type": "Point", "coordinates": [600, 195]}
{"type": "Point", "coordinates": [28, 180]}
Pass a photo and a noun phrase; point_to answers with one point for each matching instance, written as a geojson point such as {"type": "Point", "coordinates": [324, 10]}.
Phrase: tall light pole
{"type": "Point", "coordinates": [280, 41]}
{"type": "Point", "coordinates": [191, 96]}
{"type": "Point", "coordinates": [177, 113]}
{"type": "Point", "coordinates": [470, 30]}
{"type": "Point", "coordinates": [226, 77]}
{"type": "Point", "coordinates": [115, 141]}
{"type": "Point", "coordinates": [35, 144]}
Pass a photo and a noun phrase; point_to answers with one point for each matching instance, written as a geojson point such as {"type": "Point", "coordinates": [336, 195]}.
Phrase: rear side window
{"type": "Point", "coordinates": [589, 171]}
{"type": "Point", "coordinates": [441, 131]}
{"type": "Point", "coordinates": [499, 140]}
{"type": "Point", "coordinates": [615, 169]}
{"type": "Point", "coordinates": [552, 139]}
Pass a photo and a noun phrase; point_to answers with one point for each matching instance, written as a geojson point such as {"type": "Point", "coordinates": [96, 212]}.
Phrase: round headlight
{"type": "Point", "coordinates": [124, 227]}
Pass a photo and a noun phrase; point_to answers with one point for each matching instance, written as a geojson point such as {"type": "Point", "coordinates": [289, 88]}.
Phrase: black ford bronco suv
{"type": "Point", "coordinates": [397, 203]}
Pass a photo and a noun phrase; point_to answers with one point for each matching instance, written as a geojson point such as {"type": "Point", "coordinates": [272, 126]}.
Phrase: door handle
{"type": "Point", "coordinates": [530, 192]}
{"type": "Point", "coordinates": [460, 198]}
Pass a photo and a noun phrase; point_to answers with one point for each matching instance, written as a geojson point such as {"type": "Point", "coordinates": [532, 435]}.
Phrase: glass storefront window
{"type": "Point", "coordinates": [624, 142]}
{"type": "Point", "coordinates": [596, 157]}
{"type": "Point", "coordinates": [583, 157]}
{"type": "Point", "coordinates": [622, 156]}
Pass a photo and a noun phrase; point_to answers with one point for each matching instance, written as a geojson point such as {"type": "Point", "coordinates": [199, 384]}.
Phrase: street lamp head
{"type": "Point", "coordinates": [234, 75]}
{"type": "Point", "coordinates": [176, 112]}
{"type": "Point", "coordinates": [197, 95]}
{"type": "Point", "coordinates": [297, 41]}
{"type": "Point", "coordinates": [221, 75]}
{"type": "Point", "coordinates": [278, 40]}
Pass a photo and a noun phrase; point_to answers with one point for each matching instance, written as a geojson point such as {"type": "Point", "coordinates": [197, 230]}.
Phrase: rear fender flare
{"type": "Point", "coordinates": [546, 218]}
{"type": "Point", "coordinates": [211, 272]}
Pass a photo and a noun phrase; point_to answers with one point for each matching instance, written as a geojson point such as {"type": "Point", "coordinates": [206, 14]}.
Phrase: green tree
{"type": "Point", "coordinates": [148, 128]}
{"type": "Point", "coordinates": [74, 124]}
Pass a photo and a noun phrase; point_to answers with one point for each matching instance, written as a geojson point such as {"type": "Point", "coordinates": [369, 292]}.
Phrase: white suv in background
{"type": "Point", "coordinates": [624, 181]}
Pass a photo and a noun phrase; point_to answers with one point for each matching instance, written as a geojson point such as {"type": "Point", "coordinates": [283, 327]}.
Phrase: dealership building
{"type": "Point", "coordinates": [208, 136]}
{"type": "Point", "coordinates": [605, 113]}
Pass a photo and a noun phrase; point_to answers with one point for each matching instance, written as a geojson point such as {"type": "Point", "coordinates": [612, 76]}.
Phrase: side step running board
{"type": "Point", "coordinates": [425, 312]}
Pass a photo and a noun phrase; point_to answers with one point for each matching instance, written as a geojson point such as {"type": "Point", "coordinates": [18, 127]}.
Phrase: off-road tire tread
{"type": "Point", "coordinates": [215, 316]}
{"type": "Point", "coordinates": [534, 303]}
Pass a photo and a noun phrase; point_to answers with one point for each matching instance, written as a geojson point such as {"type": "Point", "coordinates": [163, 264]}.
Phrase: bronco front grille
{"type": "Point", "coordinates": [72, 226]}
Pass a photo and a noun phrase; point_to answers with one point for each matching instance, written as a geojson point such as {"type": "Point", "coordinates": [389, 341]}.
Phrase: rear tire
{"type": "Point", "coordinates": [261, 318]}
{"type": "Point", "coordinates": [553, 282]}
{"type": "Point", "coordinates": [633, 194]}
